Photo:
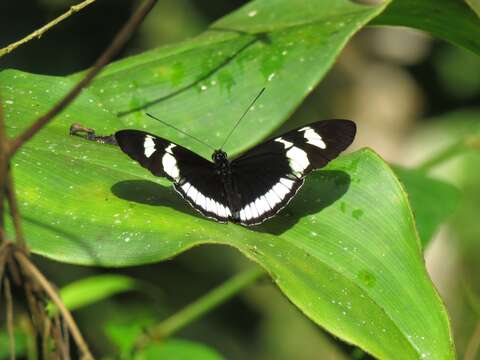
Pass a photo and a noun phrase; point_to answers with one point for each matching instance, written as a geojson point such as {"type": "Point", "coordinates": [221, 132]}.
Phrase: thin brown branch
{"type": "Point", "coordinates": [35, 309]}
{"type": "Point", "coordinates": [57, 336]}
{"type": "Point", "coordinates": [47, 324]}
{"type": "Point", "coordinates": [65, 334]}
{"type": "Point", "coordinates": [39, 32]}
{"type": "Point", "coordinates": [3, 170]}
{"type": "Point", "coordinates": [13, 268]}
{"type": "Point", "coordinates": [38, 277]}
{"type": "Point", "coordinates": [5, 248]}
{"type": "Point", "coordinates": [14, 212]}
{"type": "Point", "coordinates": [118, 42]}
{"type": "Point", "coordinates": [9, 310]}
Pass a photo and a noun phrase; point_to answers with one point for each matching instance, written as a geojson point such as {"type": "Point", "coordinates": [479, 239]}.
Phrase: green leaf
{"type": "Point", "coordinates": [177, 350]}
{"type": "Point", "coordinates": [345, 251]}
{"type": "Point", "coordinates": [433, 201]}
{"type": "Point", "coordinates": [475, 5]}
{"type": "Point", "coordinates": [203, 85]}
{"type": "Point", "coordinates": [451, 20]}
{"type": "Point", "coordinates": [87, 291]}
{"type": "Point", "coordinates": [124, 333]}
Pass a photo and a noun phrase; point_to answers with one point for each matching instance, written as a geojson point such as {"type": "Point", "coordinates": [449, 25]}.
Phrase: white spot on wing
{"type": "Point", "coordinates": [266, 202]}
{"type": "Point", "coordinates": [209, 205]}
{"type": "Point", "coordinates": [287, 182]}
{"type": "Point", "coordinates": [192, 193]}
{"type": "Point", "coordinates": [313, 137]}
{"type": "Point", "coordinates": [216, 207]}
{"type": "Point", "coordinates": [254, 210]}
{"type": "Point", "coordinates": [148, 146]}
{"type": "Point", "coordinates": [221, 211]}
{"type": "Point", "coordinates": [248, 212]}
{"type": "Point", "coordinates": [185, 187]}
{"type": "Point", "coordinates": [201, 201]}
{"type": "Point", "coordinates": [242, 215]}
{"type": "Point", "coordinates": [298, 159]}
{"type": "Point", "coordinates": [285, 143]}
{"type": "Point", "coordinates": [170, 163]}
{"type": "Point", "coordinates": [261, 206]}
{"type": "Point", "coordinates": [280, 190]}
{"type": "Point", "coordinates": [272, 198]}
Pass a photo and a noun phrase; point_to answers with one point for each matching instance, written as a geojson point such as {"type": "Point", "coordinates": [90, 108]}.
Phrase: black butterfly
{"type": "Point", "coordinates": [251, 188]}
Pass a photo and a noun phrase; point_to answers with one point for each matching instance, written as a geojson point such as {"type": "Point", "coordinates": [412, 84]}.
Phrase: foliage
{"type": "Point", "coordinates": [346, 251]}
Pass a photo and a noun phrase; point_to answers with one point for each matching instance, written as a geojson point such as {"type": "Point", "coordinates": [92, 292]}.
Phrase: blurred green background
{"type": "Point", "coordinates": [411, 97]}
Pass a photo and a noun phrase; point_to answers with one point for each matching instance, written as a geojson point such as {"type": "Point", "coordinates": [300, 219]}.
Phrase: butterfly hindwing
{"type": "Point", "coordinates": [194, 177]}
{"type": "Point", "coordinates": [270, 174]}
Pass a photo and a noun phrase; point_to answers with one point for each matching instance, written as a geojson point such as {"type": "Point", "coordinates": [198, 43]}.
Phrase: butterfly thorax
{"type": "Point", "coordinates": [223, 170]}
{"type": "Point", "coordinates": [222, 165]}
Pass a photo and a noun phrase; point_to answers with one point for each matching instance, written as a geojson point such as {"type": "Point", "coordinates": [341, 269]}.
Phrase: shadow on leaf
{"type": "Point", "coordinates": [150, 193]}
{"type": "Point", "coordinates": [319, 191]}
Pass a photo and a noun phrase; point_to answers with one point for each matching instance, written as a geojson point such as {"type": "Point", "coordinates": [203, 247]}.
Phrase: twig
{"type": "Point", "coordinates": [4, 254]}
{"type": "Point", "coordinates": [120, 39]}
{"type": "Point", "coordinates": [3, 170]}
{"type": "Point", "coordinates": [201, 306]}
{"type": "Point", "coordinates": [35, 310]}
{"type": "Point", "coordinates": [9, 307]}
{"type": "Point", "coordinates": [37, 276]}
{"type": "Point", "coordinates": [39, 32]}
{"type": "Point", "coordinates": [47, 324]}
{"type": "Point", "coordinates": [15, 213]}
{"type": "Point", "coordinates": [57, 336]}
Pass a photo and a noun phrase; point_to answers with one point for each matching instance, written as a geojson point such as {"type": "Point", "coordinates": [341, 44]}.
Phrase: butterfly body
{"type": "Point", "coordinates": [248, 189]}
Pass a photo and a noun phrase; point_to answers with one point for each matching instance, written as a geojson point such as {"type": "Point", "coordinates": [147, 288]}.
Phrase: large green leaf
{"type": "Point", "coordinates": [95, 288]}
{"type": "Point", "coordinates": [425, 195]}
{"type": "Point", "coordinates": [345, 251]}
{"type": "Point", "coordinates": [203, 85]}
{"type": "Point", "coordinates": [451, 20]}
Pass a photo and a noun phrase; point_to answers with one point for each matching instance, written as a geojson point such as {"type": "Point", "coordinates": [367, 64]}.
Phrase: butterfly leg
{"type": "Point", "coordinates": [89, 134]}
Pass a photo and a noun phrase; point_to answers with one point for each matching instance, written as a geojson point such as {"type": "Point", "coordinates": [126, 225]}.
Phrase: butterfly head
{"type": "Point", "coordinates": [219, 157]}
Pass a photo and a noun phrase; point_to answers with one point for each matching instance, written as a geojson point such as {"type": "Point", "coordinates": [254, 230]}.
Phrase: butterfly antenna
{"type": "Point", "coordinates": [180, 131]}
{"type": "Point", "coordinates": [241, 117]}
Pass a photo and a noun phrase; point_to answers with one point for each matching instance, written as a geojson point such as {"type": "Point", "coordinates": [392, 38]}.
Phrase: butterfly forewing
{"type": "Point", "coordinates": [194, 177]}
{"type": "Point", "coordinates": [270, 174]}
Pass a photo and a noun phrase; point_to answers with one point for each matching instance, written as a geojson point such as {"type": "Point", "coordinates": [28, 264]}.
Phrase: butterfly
{"type": "Point", "coordinates": [250, 188]}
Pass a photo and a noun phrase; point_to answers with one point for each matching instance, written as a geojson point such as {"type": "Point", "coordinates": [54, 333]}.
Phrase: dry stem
{"type": "Point", "coordinates": [9, 305]}
{"type": "Point", "coordinates": [38, 277]}
{"type": "Point", "coordinates": [14, 212]}
{"type": "Point", "coordinates": [39, 32]}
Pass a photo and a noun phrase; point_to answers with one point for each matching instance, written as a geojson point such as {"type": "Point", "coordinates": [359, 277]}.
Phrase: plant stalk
{"type": "Point", "coordinates": [201, 306]}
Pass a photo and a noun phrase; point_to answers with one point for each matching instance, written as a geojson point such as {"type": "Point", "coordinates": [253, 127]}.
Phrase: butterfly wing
{"type": "Point", "coordinates": [194, 177]}
{"type": "Point", "coordinates": [269, 175]}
